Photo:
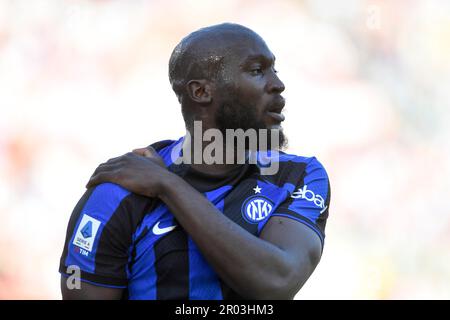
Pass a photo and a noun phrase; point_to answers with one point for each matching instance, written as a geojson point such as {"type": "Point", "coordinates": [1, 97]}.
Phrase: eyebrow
{"type": "Point", "coordinates": [258, 57]}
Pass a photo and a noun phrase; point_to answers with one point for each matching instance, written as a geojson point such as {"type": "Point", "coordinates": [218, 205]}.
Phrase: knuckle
{"type": "Point", "coordinates": [118, 173]}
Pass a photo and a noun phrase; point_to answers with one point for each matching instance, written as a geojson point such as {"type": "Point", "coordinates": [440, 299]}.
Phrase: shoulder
{"type": "Point", "coordinates": [104, 199]}
{"type": "Point", "coordinates": [109, 199]}
{"type": "Point", "coordinates": [292, 168]}
{"type": "Point", "coordinates": [108, 194]}
{"type": "Point", "coordinates": [168, 150]}
{"type": "Point", "coordinates": [311, 165]}
{"type": "Point", "coordinates": [308, 160]}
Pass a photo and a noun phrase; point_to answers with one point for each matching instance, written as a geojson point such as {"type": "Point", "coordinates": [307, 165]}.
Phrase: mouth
{"type": "Point", "coordinates": [278, 117]}
{"type": "Point", "coordinates": [275, 109]}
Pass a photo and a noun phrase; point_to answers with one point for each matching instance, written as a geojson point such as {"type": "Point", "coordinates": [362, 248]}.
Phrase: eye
{"type": "Point", "coordinates": [256, 71]}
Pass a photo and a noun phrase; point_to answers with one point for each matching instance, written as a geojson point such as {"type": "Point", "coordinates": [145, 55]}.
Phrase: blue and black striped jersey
{"type": "Point", "coordinates": [124, 240]}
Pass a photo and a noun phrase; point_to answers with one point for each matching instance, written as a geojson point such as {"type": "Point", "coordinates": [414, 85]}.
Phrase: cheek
{"type": "Point", "coordinates": [251, 89]}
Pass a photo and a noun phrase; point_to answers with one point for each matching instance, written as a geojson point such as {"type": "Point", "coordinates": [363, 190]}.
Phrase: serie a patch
{"type": "Point", "coordinates": [86, 232]}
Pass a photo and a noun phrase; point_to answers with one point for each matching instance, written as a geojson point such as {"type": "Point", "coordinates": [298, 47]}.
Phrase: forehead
{"type": "Point", "coordinates": [247, 48]}
{"type": "Point", "coordinates": [250, 49]}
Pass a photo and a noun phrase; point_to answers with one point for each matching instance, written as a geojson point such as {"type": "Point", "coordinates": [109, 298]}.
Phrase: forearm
{"type": "Point", "coordinates": [251, 266]}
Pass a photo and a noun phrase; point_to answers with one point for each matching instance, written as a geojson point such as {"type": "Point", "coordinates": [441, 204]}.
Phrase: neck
{"type": "Point", "coordinates": [215, 169]}
{"type": "Point", "coordinates": [210, 157]}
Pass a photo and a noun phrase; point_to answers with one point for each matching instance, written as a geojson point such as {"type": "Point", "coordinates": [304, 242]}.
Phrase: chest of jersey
{"type": "Point", "coordinates": [165, 258]}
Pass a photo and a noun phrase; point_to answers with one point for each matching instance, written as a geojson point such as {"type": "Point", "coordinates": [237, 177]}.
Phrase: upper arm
{"type": "Point", "coordinates": [98, 240]}
{"type": "Point", "coordinates": [87, 291]}
{"type": "Point", "coordinates": [309, 201]}
{"type": "Point", "coordinates": [297, 225]}
{"type": "Point", "coordinates": [302, 246]}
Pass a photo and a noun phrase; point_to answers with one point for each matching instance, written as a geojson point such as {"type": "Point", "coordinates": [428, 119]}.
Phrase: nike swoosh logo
{"type": "Point", "coordinates": [159, 231]}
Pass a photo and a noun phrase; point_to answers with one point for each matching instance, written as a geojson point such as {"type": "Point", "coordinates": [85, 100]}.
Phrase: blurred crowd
{"type": "Point", "coordinates": [367, 90]}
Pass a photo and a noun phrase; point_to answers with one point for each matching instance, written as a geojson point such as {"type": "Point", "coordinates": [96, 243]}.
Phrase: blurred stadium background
{"type": "Point", "coordinates": [367, 89]}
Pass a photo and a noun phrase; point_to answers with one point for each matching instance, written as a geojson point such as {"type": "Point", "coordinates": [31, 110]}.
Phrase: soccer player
{"type": "Point", "coordinates": [150, 227]}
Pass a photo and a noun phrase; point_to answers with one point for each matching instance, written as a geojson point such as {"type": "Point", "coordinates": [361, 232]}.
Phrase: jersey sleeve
{"type": "Point", "coordinates": [99, 236]}
{"type": "Point", "coordinates": [309, 202]}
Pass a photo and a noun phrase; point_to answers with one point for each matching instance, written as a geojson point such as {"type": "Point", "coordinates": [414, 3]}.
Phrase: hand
{"type": "Point", "coordinates": [142, 171]}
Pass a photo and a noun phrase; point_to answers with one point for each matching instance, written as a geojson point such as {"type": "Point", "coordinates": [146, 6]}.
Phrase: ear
{"type": "Point", "coordinates": [199, 91]}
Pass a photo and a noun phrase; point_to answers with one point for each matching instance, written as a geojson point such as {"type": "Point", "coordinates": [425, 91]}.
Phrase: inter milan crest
{"type": "Point", "coordinates": [256, 208]}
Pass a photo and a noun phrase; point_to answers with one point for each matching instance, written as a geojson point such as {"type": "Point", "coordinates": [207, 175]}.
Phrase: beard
{"type": "Point", "coordinates": [233, 114]}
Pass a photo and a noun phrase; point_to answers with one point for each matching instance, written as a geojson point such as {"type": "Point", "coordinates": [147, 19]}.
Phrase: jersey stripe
{"type": "Point", "coordinates": [130, 252]}
{"type": "Point", "coordinates": [142, 282]}
{"type": "Point", "coordinates": [203, 281]}
{"type": "Point", "coordinates": [73, 223]}
{"type": "Point", "coordinates": [100, 208]}
{"type": "Point", "coordinates": [172, 266]}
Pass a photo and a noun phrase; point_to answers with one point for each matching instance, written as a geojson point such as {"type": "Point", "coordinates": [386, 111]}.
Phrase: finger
{"type": "Point", "coordinates": [100, 178]}
{"type": "Point", "coordinates": [145, 152]}
{"type": "Point", "coordinates": [104, 173]}
{"type": "Point", "coordinates": [105, 167]}
{"type": "Point", "coordinates": [155, 155]}
{"type": "Point", "coordinates": [116, 159]}
{"type": "Point", "coordinates": [151, 150]}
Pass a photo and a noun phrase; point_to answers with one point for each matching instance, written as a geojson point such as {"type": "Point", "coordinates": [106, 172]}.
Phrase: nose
{"type": "Point", "coordinates": [274, 84]}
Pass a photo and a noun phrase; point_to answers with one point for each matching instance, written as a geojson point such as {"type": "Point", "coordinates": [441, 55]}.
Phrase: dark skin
{"type": "Point", "coordinates": [274, 265]}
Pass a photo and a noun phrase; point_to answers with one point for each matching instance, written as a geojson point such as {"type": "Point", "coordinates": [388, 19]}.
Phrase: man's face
{"type": "Point", "coordinates": [250, 90]}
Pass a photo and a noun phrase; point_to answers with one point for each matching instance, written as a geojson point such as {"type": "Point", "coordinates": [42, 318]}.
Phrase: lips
{"type": "Point", "coordinates": [275, 110]}
{"type": "Point", "coordinates": [276, 116]}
